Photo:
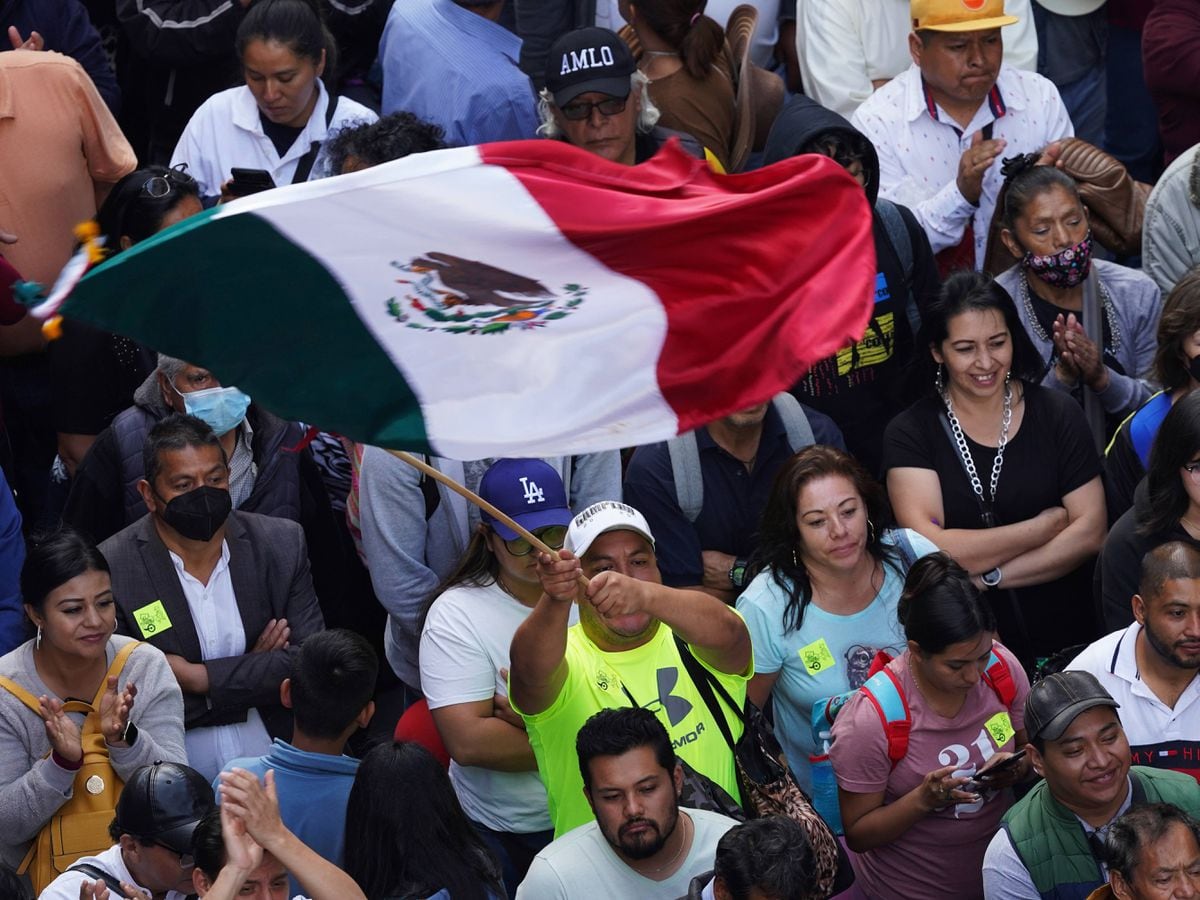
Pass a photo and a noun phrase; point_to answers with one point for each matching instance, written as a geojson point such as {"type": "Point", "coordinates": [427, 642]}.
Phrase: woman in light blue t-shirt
{"type": "Point", "coordinates": [824, 600]}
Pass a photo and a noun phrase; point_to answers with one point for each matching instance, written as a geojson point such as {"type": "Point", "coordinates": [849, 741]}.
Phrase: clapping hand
{"type": "Point", "coordinates": [62, 733]}
{"type": "Point", "coordinates": [98, 890]}
{"type": "Point", "coordinates": [114, 711]}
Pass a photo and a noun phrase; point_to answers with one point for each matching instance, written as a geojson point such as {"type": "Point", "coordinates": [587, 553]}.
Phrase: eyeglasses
{"type": "Point", "coordinates": [552, 537]}
{"type": "Point", "coordinates": [159, 186]}
{"type": "Point", "coordinates": [186, 860]}
{"type": "Point", "coordinates": [582, 109]}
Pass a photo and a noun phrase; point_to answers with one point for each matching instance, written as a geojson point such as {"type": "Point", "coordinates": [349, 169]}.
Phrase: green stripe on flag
{"type": "Point", "coordinates": [223, 273]}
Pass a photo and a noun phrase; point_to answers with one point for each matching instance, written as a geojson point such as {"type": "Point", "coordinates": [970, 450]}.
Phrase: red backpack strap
{"type": "Point", "coordinates": [887, 696]}
{"type": "Point", "coordinates": [999, 678]}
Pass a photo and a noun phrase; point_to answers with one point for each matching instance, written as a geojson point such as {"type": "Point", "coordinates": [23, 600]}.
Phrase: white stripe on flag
{"type": "Point", "coordinates": [597, 363]}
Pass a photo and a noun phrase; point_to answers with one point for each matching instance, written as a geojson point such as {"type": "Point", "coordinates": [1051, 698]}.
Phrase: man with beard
{"type": "Point", "coordinates": [1151, 667]}
{"type": "Point", "coordinates": [641, 844]}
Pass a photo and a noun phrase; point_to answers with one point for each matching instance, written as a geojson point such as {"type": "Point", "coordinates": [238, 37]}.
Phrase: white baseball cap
{"type": "Point", "coordinates": [607, 515]}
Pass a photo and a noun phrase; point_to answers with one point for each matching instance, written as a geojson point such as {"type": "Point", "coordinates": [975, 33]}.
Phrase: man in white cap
{"type": "Point", "coordinates": [941, 127]}
{"type": "Point", "coordinates": [637, 644]}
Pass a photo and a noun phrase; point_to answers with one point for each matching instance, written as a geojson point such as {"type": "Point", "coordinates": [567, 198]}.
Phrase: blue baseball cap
{"type": "Point", "coordinates": [528, 490]}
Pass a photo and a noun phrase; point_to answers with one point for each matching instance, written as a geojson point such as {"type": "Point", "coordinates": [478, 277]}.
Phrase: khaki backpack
{"type": "Point", "coordinates": [80, 826]}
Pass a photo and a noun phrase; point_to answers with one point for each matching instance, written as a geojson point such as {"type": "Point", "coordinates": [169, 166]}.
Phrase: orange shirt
{"type": "Point", "coordinates": [58, 142]}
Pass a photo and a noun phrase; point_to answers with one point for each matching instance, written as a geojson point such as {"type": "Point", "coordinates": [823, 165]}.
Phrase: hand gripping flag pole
{"type": "Point", "coordinates": [481, 503]}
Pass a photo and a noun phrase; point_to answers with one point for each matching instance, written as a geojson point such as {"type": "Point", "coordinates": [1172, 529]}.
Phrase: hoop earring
{"type": "Point", "coordinates": [38, 641]}
{"type": "Point", "coordinates": [938, 383]}
{"type": "Point", "coordinates": [870, 531]}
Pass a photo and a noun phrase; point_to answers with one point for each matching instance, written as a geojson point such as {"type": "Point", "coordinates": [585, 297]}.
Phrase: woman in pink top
{"type": "Point", "coordinates": [920, 825]}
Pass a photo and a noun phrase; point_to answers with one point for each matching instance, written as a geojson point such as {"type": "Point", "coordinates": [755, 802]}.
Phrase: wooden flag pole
{"type": "Point", "coordinates": [476, 499]}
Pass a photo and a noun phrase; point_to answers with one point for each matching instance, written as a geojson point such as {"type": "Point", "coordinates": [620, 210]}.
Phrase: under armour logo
{"type": "Point", "coordinates": [533, 493]}
{"type": "Point", "coordinates": [677, 708]}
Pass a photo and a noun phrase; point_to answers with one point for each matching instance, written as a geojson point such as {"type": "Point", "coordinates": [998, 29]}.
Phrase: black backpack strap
{"type": "Point", "coordinates": [95, 873]}
{"type": "Point", "coordinates": [429, 492]}
{"type": "Point", "coordinates": [304, 166]}
{"type": "Point", "coordinates": [705, 682]}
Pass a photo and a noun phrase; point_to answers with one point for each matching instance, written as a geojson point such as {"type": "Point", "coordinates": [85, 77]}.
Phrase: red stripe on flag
{"type": "Point", "coordinates": [761, 275]}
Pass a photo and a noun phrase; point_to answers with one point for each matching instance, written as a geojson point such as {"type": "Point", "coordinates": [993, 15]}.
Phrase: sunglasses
{"type": "Point", "coordinates": [552, 536]}
{"type": "Point", "coordinates": [159, 186]}
{"type": "Point", "coordinates": [582, 109]}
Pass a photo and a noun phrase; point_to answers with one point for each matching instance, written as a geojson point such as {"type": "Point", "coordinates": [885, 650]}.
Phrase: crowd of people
{"type": "Point", "coordinates": [956, 566]}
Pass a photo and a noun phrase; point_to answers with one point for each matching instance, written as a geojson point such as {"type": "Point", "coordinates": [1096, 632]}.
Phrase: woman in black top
{"type": "Point", "coordinates": [1166, 509]}
{"type": "Point", "coordinates": [1000, 472]}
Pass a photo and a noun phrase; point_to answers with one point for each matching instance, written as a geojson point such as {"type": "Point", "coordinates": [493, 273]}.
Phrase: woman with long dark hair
{"type": "Point", "coordinates": [279, 119]}
{"type": "Point", "coordinates": [691, 75]}
{"type": "Point", "coordinates": [1177, 371]}
{"type": "Point", "coordinates": [407, 836]}
{"type": "Point", "coordinates": [464, 656]}
{"type": "Point", "coordinates": [72, 655]}
{"type": "Point", "coordinates": [824, 601]}
{"type": "Point", "coordinates": [918, 807]}
{"type": "Point", "coordinates": [1000, 471]}
{"type": "Point", "coordinates": [1168, 509]}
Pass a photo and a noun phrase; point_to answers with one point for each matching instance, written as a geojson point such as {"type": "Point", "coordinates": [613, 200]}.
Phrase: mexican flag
{"type": "Point", "coordinates": [512, 299]}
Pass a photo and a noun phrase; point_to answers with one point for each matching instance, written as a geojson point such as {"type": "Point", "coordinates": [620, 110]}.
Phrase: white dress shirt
{"type": "Point", "coordinates": [844, 45]}
{"type": "Point", "coordinates": [919, 147]}
{"type": "Point", "coordinates": [219, 628]}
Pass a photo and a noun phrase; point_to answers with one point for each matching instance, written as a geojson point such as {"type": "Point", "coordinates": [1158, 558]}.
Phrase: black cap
{"type": "Point", "coordinates": [1057, 699]}
{"type": "Point", "coordinates": [586, 60]}
{"type": "Point", "coordinates": [163, 803]}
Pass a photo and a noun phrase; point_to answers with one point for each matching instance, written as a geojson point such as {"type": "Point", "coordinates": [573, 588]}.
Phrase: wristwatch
{"type": "Point", "coordinates": [991, 579]}
{"type": "Point", "coordinates": [737, 572]}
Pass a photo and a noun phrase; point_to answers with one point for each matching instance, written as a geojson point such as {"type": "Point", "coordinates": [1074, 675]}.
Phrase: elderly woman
{"type": "Point", "coordinates": [825, 600]}
{"type": "Point", "coordinates": [1105, 365]}
{"type": "Point", "coordinates": [69, 599]}
{"type": "Point", "coordinates": [1177, 369]}
{"type": "Point", "coordinates": [1000, 471]}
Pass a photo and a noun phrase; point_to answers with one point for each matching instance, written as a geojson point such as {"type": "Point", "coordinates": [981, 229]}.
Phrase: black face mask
{"type": "Point", "coordinates": [198, 514]}
{"type": "Point", "coordinates": [1194, 367]}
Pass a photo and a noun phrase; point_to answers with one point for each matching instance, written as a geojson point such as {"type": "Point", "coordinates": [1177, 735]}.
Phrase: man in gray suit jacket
{"type": "Point", "coordinates": [226, 595]}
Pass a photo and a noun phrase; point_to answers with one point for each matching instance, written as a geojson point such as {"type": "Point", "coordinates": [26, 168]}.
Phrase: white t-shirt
{"type": "Point", "coordinates": [66, 885]}
{"type": "Point", "coordinates": [464, 645]}
{"type": "Point", "coordinates": [582, 864]}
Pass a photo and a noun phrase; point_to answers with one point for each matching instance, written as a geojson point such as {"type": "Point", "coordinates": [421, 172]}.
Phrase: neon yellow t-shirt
{"type": "Point", "coordinates": [654, 675]}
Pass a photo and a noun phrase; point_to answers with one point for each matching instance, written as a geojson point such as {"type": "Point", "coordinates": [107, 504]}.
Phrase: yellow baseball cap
{"type": "Point", "coordinates": [958, 15]}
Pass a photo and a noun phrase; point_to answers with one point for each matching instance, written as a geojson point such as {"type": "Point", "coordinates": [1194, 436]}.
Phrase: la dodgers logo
{"type": "Point", "coordinates": [533, 493]}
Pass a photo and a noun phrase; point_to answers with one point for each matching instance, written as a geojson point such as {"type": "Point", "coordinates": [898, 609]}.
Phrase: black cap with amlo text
{"type": "Point", "coordinates": [587, 60]}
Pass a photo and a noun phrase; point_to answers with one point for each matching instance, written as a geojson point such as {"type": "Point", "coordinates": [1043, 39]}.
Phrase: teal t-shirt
{"type": "Point", "coordinates": [828, 655]}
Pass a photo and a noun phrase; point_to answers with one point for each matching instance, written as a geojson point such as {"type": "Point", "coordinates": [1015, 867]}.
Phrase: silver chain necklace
{"type": "Point", "coordinates": [965, 451]}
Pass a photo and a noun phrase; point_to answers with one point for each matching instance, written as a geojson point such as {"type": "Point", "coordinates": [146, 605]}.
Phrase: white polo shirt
{"type": "Point", "coordinates": [1159, 736]}
{"type": "Point", "coordinates": [919, 147]}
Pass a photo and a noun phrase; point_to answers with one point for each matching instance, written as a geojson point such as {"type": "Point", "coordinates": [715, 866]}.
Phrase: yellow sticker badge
{"type": "Point", "coordinates": [817, 657]}
{"type": "Point", "coordinates": [1000, 728]}
{"type": "Point", "coordinates": [152, 619]}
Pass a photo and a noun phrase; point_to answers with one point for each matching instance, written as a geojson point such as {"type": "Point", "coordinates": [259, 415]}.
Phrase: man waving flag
{"type": "Point", "coordinates": [513, 299]}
